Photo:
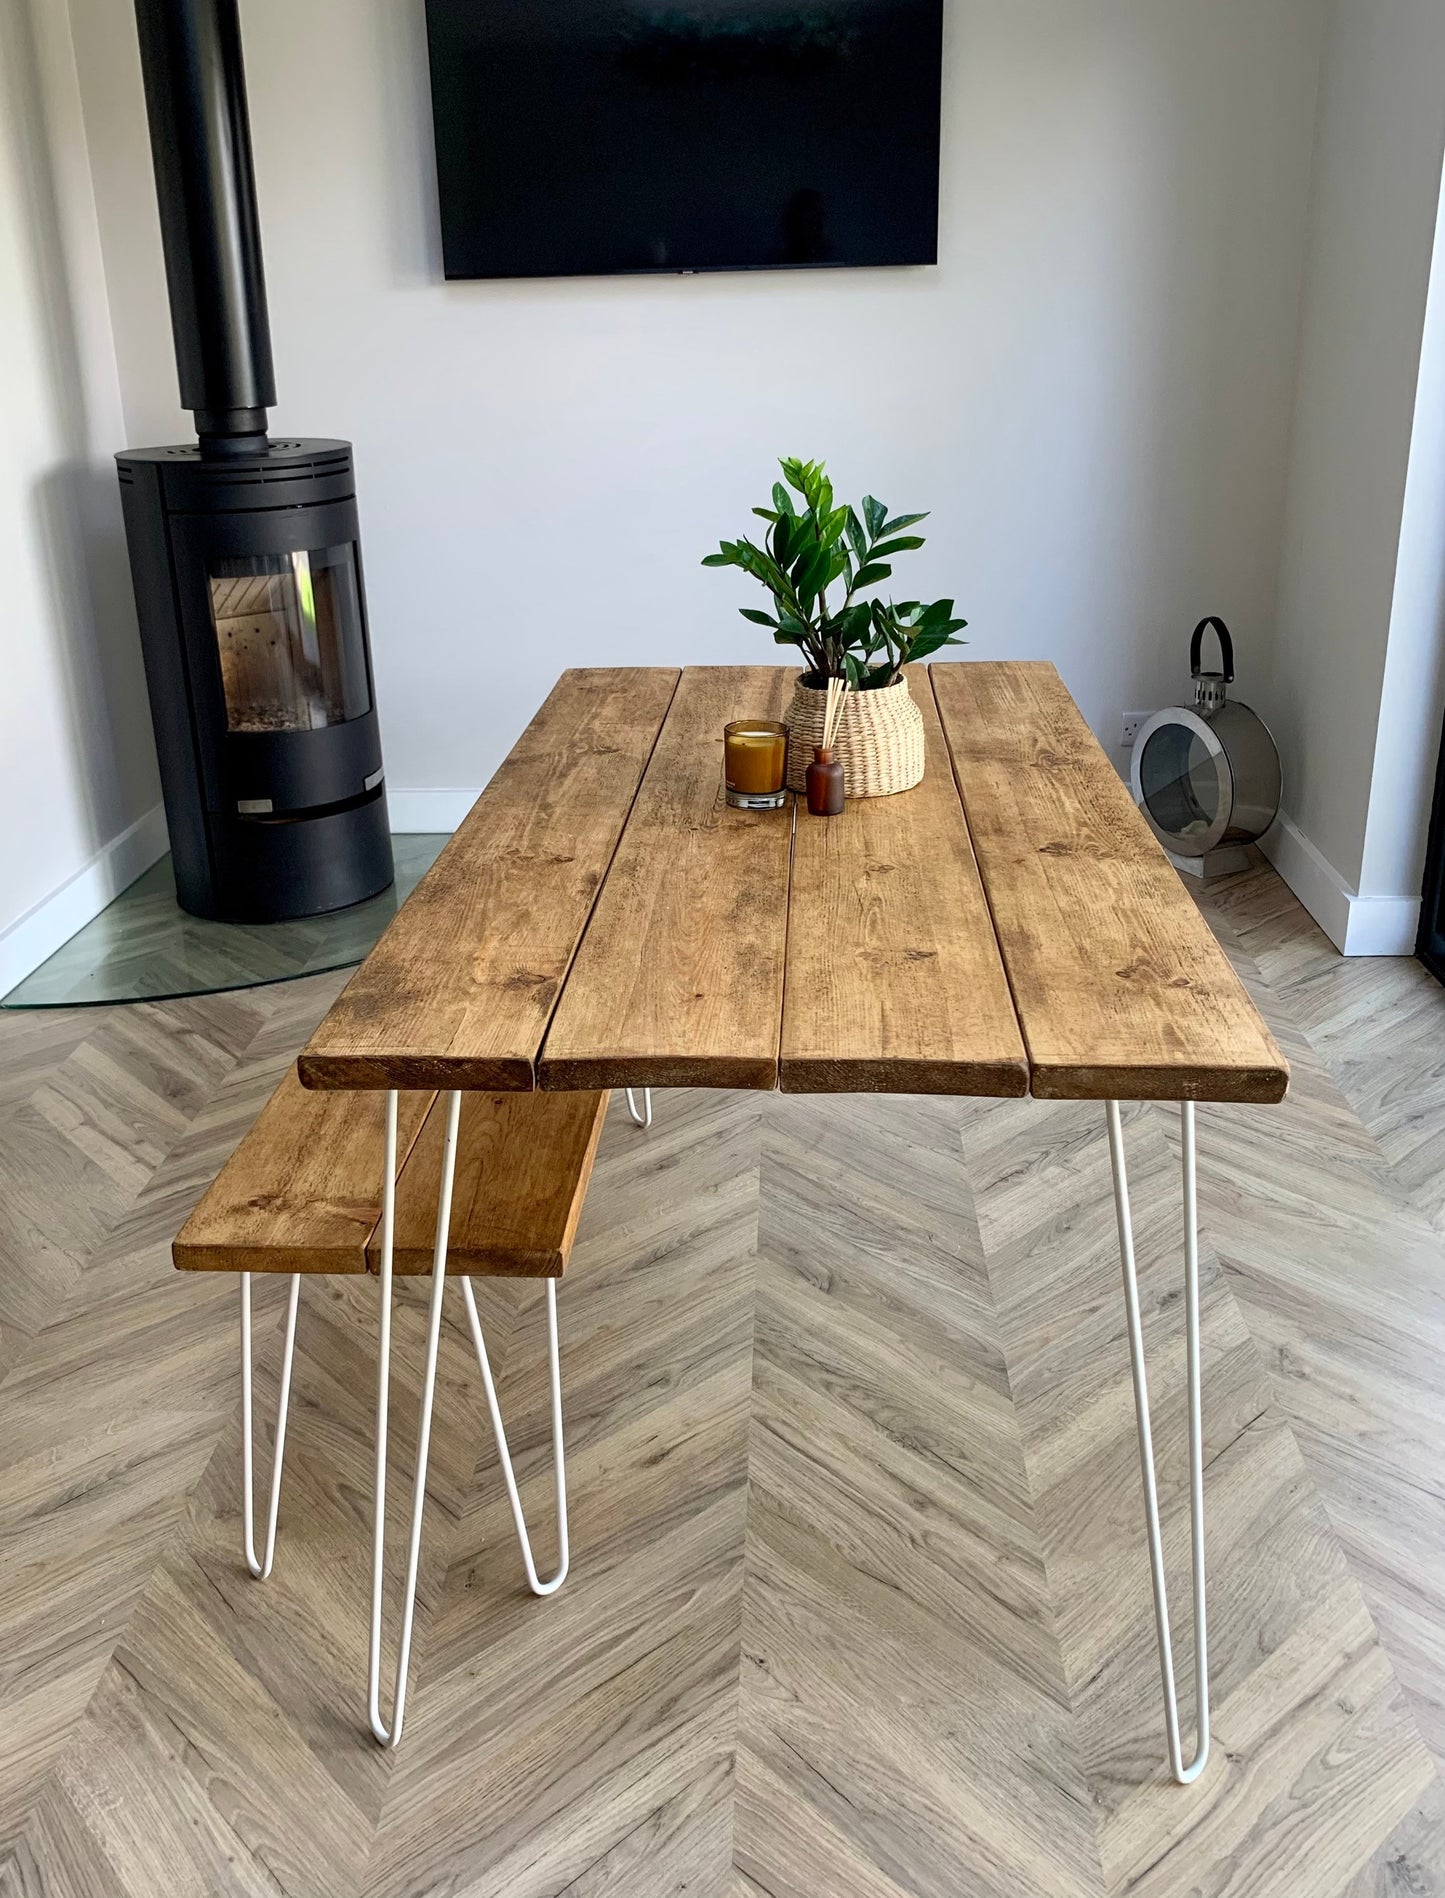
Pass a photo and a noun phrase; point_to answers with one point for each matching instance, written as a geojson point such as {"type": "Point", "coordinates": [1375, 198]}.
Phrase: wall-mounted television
{"type": "Point", "coordinates": [593, 137]}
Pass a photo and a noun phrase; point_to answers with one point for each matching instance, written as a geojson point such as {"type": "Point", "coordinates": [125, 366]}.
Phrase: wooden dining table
{"type": "Point", "coordinates": [603, 918]}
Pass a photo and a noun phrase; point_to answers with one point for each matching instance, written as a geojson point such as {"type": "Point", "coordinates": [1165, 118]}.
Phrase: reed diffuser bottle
{"type": "Point", "coordinates": [825, 774]}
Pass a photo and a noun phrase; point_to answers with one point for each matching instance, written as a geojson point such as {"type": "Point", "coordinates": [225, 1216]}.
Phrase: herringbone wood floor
{"type": "Point", "coordinates": [859, 1602]}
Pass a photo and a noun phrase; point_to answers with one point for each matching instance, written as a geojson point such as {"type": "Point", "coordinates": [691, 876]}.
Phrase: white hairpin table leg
{"type": "Point", "coordinates": [558, 1459]}
{"type": "Point", "coordinates": [261, 1567]}
{"type": "Point", "coordinates": [644, 1119]}
{"type": "Point", "coordinates": [388, 1736]}
{"type": "Point", "coordinates": [1184, 1774]}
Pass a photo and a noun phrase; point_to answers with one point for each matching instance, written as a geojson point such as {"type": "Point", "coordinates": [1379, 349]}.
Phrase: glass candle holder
{"type": "Point", "coordinates": [755, 757]}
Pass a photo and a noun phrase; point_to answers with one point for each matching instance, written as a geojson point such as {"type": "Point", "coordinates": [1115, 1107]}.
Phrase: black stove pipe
{"type": "Point", "coordinates": [195, 88]}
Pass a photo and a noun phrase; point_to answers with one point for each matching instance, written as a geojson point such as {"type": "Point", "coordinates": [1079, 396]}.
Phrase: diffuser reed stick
{"type": "Point", "coordinates": [833, 711]}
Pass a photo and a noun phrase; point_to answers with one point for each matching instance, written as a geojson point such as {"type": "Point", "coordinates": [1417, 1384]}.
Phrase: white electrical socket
{"type": "Point", "coordinates": [1130, 731]}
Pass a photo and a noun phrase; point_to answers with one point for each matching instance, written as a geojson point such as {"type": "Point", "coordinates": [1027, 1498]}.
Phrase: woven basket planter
{"type": "Point", "coordinates": [879, 741]}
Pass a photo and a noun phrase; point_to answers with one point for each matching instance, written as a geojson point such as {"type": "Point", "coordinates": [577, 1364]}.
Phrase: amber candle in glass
{"type": "Point", "coordinates": [755, 757]}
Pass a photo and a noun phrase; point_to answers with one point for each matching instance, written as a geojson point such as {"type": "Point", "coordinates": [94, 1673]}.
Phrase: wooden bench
{"type": "Point", "coordinates": [304, 1192]}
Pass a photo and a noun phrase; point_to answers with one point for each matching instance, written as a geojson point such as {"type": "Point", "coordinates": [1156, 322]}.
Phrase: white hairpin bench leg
{"type": "Point", "coordinates": [644, 1119]}
{"type": "Point", "coordinates": [558, 1457]}
{"type": "Point", "coordinates": [388, 1736]}
{"type": "Point", "coordinates": [261, 1567]}
{"type": "Point", "coordinates": [1184, 1774]}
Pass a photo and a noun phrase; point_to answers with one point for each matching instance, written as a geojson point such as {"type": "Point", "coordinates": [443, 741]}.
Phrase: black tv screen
{"type": "Point", "coordinates": [586, 137]}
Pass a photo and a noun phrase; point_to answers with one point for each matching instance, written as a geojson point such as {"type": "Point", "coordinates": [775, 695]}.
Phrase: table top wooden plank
{"type": "Point", "coordinates": [894, 980]}
{"type": "Point", "coordinates": [302, 1192]}
{"type": "Point", "coordinates": [460, 988]}
{"type": "Point", "coordinates": [679, 979]}
{"type": "Point", "coordinates": [523, 1163]}
{"type": "Point", "coordinates": [1121, 990]}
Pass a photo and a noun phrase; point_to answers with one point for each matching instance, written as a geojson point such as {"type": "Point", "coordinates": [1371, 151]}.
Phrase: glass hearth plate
{"type": "Point", "coordinates": [145, 948]}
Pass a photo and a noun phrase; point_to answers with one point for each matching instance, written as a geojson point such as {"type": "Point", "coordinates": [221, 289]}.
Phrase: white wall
{"type": "Point", "coordinates": [1091, 392]}
{"type": "Point", "coordinates": [1373, 216]}
{"type": "Point", "coordinates": [1412, 690]}
{"type": "Point", "coordinates": [77, 771]}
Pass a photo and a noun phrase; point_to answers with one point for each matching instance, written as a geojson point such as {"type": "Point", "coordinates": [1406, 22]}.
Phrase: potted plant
{"type": "Point", "coordinates": [813, 545]}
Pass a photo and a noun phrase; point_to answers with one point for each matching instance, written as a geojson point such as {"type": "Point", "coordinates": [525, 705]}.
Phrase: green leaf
{"type": "Point", "coordinates": [815, 485]}
{"type": "Point", "coordinates": [794, 476]}
{"type": "Point", "coordinates": [853, 670]}
{"type": "Point", "coordinates": [720, 560]}
{"type": "Point", "coordinates": [901, 520]}
{"type": "Point", "coordinates": [835, 523]}
{"type": "Point", "coordinates": [905, 543]}
{"type": "Point", "coordinates": [757, 617]}
{"type": "Point", "coordinates": [765, 513]}
{"type": "Point", "coordinates": [782, 500]}
{"type": "Point", "coordinates": [932, 615]}
{"type": "Point", "coordinates": [763, 568]}
{"type": "Point", "coordinates": [783, 637]}
{"type": "Point", "coordinates": [874, 513]}
{"type": "Point", "coordinates": [858, 540]}
{"type": "Point", "coordinates": [819, 566]}
{"type": "Point", "coordinates": [871, 574]}
{"type": "Point", "coordinates": [922, 644]}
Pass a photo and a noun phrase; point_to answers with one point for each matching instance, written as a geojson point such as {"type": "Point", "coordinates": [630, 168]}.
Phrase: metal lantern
{"type": "Point", "coordinates": [1207, 779]}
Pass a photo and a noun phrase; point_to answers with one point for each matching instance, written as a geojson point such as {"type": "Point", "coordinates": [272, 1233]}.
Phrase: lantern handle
{"type": "Point", "coordinates": [1226, 647]}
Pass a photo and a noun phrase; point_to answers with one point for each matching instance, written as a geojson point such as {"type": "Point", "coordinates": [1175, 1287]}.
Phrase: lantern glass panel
{"type": "Point", "coordinates": [1180, 782]}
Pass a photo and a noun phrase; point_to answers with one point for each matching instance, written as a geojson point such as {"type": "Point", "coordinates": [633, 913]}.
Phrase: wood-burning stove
{"type": "Point", "coordinates": [245, 552]}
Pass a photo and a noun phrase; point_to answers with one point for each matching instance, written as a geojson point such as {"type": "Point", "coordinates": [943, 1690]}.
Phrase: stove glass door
{"type": "Point", "coordinates": [291, 641]}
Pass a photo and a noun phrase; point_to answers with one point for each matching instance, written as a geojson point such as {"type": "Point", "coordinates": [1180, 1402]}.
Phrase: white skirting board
{"type": "Point", "coordinates": [55, 918]}
{"type": "Point", "coordinates": [1357, 925]}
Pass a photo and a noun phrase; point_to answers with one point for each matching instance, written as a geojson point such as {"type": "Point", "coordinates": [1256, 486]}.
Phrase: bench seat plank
{"type": "Point", "coordinates": [523, 1163]}
{"type": "Point", "coordinates": [459, 990]}
{"type": "Point", "coordinates": [1121, 990]}
{"type": "Point", "coordinates": [894, 980]}
{"type": "Point", "coordinates": [302, 1192]}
